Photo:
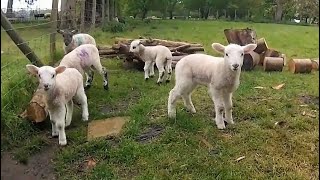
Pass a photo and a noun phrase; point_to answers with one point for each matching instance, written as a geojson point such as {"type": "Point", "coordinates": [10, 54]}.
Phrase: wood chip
{"type": "Point", "coordinates": [240, 158]}
{"type": "Point", "coordinates": [311, 115]}
{"type": "Point", "coordinates": [278, 86]}
{"type": "Point", "coordinates": [303, 105]}
{"type": "Point", "coordinates": [280, 123]}
{"type": "Point", "coordinates": [259, 87]}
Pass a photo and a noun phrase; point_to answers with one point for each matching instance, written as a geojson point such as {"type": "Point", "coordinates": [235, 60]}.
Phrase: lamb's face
{"type": "Point", "coordinates": [134, 46]}
{"type": "Point", "coordinates": [233, 54]}
{"type": "Point", "coordinates": [67, 36]}
{"type": "Point", "coordinates": [46, 75]}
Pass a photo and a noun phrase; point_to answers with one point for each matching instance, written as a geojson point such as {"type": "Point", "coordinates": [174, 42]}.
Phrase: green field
{"type": "Point", "coordinates": [289, 151]}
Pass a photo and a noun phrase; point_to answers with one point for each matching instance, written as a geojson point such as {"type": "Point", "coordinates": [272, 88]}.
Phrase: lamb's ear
{"type": "Point", "coordinates": [60, 69]}
{"type": "Point", "coordinates": [248, 48]}
{"type": "Point", "coordinates": [218, 47]}
{"type": "Point", "coordinates": [60, 31]}
{"type": "Point", "coordinates": [140, 42]}
{"type": "Point", "coordinates": [74, 31]}
{"type": "Point", "coordinates": [32, 69]}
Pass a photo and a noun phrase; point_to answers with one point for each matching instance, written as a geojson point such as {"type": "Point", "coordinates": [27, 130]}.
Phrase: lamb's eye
{"type": "Point", "coordinates": [52, 75]}
{"type": "Point", "coordinates": [241, 54]}
{"type": "Point", "coordinates": [133, 47]}
{"type": "Point", "coordinates": [227, 54]}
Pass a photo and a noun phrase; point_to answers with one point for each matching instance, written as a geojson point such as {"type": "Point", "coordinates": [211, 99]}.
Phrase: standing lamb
{"type": "Point", "coordinates": [159, 55]}
{"type": "Point", "coordinates": [61, 84]}
{"type": "Point", "coordinates": [72, 40]}
{"type": "Point", "coordinates": [83, 58]}
{"type": "Point", "coordinates": [220, 74]}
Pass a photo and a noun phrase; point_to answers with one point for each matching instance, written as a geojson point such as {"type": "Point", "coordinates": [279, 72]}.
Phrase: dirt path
{"type": "Point", "coordinates": [39, 166]}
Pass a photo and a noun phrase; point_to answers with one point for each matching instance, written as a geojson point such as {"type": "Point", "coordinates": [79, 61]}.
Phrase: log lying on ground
{"type": "Point", "coordinates": [122, 46]}
{"type": "Point", "coordinates": [250, 61]}
{"type": "Point", "coordinates": [240, 36]}
{"type": "Point", "coordinates": [269, 53]}
{"type": "Point", "coordinates": [273, 64]}
{"type": "Point", "coordinates": [261, 46]}
{"type": "Point", "coordinates": [36, 110]}
{"type": "Point", "coordinates": [315, 64]}
{"type": "Point", "coordinates": [300, 65]}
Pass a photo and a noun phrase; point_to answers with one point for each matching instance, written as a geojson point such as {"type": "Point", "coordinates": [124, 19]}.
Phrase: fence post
{"type": "Point", "coordinates": [22, 45]}
{"type": "Point", "coordinates": [82, 13]}
{"type": "Point", "coordinates": [54, 17]}
{"type": "Point", "coordinates": [94, 8]}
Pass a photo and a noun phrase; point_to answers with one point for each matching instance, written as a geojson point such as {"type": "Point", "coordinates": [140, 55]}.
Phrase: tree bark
{"type": "Point", "coordinates": [273, 64]}
{"type": "Point", "coordinates": [82, 14]}
{"type": "Point", "coordinates": [54, 18]}
{"type": "Point", "coordinates": [68, 9]}
{"type": "Point", "coordinates": [279, 11]}
{"type": "Point", "coordinates": [93, 17]}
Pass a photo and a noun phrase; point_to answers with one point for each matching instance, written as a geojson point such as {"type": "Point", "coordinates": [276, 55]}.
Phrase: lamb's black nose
{"type": "Point", "coordinates": [235, 65]}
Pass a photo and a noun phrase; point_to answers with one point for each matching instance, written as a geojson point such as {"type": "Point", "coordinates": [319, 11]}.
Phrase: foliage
{"type": "Point", "coordinates": [114, 27]}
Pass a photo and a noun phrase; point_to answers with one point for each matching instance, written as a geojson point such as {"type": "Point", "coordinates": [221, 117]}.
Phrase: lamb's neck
{"type": "Point", "coordinates": [51, 96]}
{"type": "Point", "coordinates": [142, 52]}
{"type": "Point", "coordinates": [231, 76]}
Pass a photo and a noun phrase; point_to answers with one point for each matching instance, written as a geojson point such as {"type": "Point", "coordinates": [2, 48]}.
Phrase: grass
{"type": "Point", "coordinates": [289, 151]}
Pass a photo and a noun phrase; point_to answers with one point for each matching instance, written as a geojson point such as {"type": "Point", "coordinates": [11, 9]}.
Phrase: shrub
{"type": "Point", "coordinates": [114, 27]}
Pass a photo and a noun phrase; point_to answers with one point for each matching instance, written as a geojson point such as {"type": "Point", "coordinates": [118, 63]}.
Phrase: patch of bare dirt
{"type": "Point", "coordinates": [151, 133]}
{"type": "Point", "coordinates": [307, 99]}
{"type": "Point", "coordinates": [39, 166]}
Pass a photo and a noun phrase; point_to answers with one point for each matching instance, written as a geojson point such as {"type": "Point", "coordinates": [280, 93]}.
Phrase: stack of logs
{"type": "Point", "coordinates": [121, 50]}
{"type": "Point", "coordinates": [270, 59]}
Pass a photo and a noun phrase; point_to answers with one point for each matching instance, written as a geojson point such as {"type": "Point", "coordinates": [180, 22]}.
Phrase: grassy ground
{"type": "Point", "coordinates": [289, 151]}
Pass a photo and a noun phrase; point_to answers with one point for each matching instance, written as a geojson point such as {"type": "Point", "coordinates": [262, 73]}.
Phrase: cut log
{"type": "Point", "coordinates": [315, 64]}
{"type": "Point", "coordinates": [181, 48]}
{"type": "Point", "coordinates": [107, 51]}
{"type": "Point", "coordinates": [250, 61]}
{"type": "Point", "coordinates": [272, 53]}
{"type": "Point", "coordinates": [300, 65]}
{"type": "Point", "coordinates": [177, 58]}
{"type": "Point", "coordinates": [36, 110]}
{"type": "Point", "coordinates": [179, 53]}
{"type": "Point", "coordinates": [273, 64]}
{"type": "Point", "coordinates": [192, 50]}
{"type": "Point", "coordinates": [284, 59]}
{"type": "Point", "coordinates": [240, 36]}
{"type": "Point", "coordinates": [261, 46]}
{"type": "Point", "coordinates": [262, 56]}
{"type": "Point", "coordinates": [153, 42]}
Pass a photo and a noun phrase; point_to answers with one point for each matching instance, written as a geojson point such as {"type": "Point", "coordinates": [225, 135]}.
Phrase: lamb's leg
{"type": "Point", "coordinates": [69, 113]}
{"type": "Point", "coordinates": [59, 117]}
{"type": "Point", "coordinates": [188, 103]}
{"type": "Point", "coordinates": [169, 70]}
{"type": "Point", "coordinates": [151, 74]}
{"type": "Point", "coordinates": [160, 67]}
{"type": "Point", "coordinates": [172, 100]}
{"type": "Point", "coordinates": [53, 126]}
{"type": "Point", "coordinates": [81, 96]}
{"type": "Point", "coordinates": [103, 72]}
{"type": "Point", "coordinates": [227, 99]}
{"type": "Point", "coordinates": [146, 69]}
{"type": "Point", "coordinates": [89, 75]}
{"type": "Point", "coordinates": [218, 106]}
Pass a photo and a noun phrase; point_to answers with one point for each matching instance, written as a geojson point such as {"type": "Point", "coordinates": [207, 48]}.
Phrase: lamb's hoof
{"type": "Point", "coordinates": [146, 79]}
{"type": "Point", "coordinates": [221, 126]}
{"type": "Point", "coordinates": [85, 118]}
{"type": "Point", "coordinates": [151, 75]}
{"type": "Point", "coordinates": [106, 87]}
{"type": "Point", "coordinates": [159, 83]}
{"type": "Point", "coordinates": [63, 142]}
{"type": "Point", "coordinates": [54, 134]}
{"type": "Point", "coordinates": [228, 122]}
{"type": "Point", "coordinates": [87, 87]}
{"type": "Point", "coordinates": [168, 80]}
{"type": "Point", "coordinates": [172, 115]}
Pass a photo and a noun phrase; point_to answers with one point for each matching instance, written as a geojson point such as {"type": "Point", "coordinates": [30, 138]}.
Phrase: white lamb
{"type": "Point", "coordinates": [72, 40]}
{"type": "Point", "coordinates": [220, 74]}
{"type": "Point", "coordinates": [84, 58]}
{"type": "Point", "coordinates": [159, 55]}
{"type": "Point", "coordinates": [61, 84]}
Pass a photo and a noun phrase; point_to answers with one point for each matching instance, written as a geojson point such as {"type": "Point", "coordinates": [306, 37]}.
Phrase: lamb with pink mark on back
{"type": "Point", "coordinates": [61, 85]}
{"type": "Point", "coordinates": [220, 74]}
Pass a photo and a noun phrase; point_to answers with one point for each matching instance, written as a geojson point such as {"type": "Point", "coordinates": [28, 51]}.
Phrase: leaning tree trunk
{"type": "Point", "coordinates": [68, 14]}
{"type": "Point", "coordinates": [9, 13]}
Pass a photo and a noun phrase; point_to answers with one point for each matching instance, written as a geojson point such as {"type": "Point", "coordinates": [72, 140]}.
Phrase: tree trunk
{"type": "Point", "coordinates": [82, 15]}
{"type": "Point", "coordinates": [9, 13]}
{"type": "Point", "coordinates": [144, 14]}
{"type": "Point", "coordinates": [93, 18]}
{"type": "Point", "coordinates": [171, 14]}
{"type": "Point", "coordinates": [68, 9]}
{"type": "Point", "coordinates": [279, 11]}
{"type": "Point", "coordinates": [54, 17]}
{"type": "Point", "coordinates": [111, 10]}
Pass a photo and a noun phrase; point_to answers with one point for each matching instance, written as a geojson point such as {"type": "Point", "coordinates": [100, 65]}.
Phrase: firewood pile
{"type": "Point", "coordinates": [121, 48]}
